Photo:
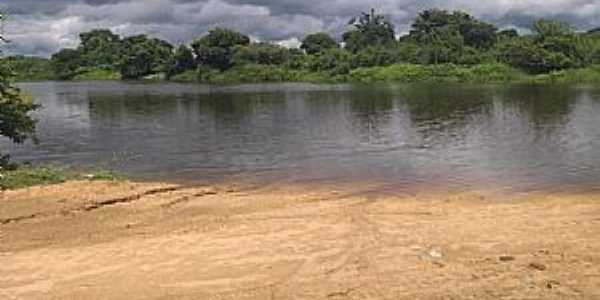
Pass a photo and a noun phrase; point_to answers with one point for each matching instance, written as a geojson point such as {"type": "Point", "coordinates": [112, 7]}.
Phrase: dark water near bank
{"type": "Point", "coordinates": [461, 136]}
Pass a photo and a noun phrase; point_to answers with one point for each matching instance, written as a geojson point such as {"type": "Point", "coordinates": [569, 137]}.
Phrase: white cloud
{"type": "Point", "coordinates": [41, 27]}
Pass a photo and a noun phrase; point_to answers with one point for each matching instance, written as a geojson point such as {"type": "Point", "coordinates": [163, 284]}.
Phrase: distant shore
{"type": "Point", "coordinates": [124, 240]}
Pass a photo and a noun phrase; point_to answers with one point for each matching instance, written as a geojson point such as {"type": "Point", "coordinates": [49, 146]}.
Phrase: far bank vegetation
{"type": "Point", "coordinates": [441, 46]}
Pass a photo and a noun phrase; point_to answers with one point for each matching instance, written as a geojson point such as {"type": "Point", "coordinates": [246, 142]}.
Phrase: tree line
{"type": "Point", "coordinates": [436, 37]}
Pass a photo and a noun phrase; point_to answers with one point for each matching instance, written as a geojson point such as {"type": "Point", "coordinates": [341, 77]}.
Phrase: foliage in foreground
{"type": "Point", "coordinates": [15, 122]}
{"type": "Point", "coordinates": [34, 176]}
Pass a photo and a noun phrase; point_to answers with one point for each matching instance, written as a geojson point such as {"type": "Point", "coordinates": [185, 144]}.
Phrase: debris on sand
{"type": "Point", "coordinates": [537, 266]}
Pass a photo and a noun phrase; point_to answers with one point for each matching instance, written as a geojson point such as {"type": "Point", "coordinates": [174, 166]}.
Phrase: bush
{"type": "Point", "coordinates": [409, 73]}
{"type": "Point", "coordinates": [260, 53]}
{"type": "Point", "coordinates": [252, 73]}
{"type": "Point", "coordinates": [97, 74]}
{"type": "Point", "coordinates": [24, 177]}
{"type": "Point", "coordinates": [333, 61]}
{"type": "Point", "coordinates": [187, 76]}
{"type": "Point", "coordinates": [29, 68]}
{"type": "Point", "coordinates": [584, 75]}
{"type": "Point", "coordinates": [532, 58]}
{"type": "Point", "coordinates": [33, 176]}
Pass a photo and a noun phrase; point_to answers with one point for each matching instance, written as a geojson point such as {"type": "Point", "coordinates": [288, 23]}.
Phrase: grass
{"type": "Point", "coordinates": [584, 75]}
{"type": "Point", "coordinates": [187, 76]}
{"type": "Point", "coordinates": [403, 73]}
{"type": "Point", "coordinates": [29, 68]}
{"type": "Point", "coordinates": [97, 74]}
{"type": "Point", "coordinates": [400, 73]}
{"type": "Point", "coordinates": [410, 73]}
{"type": "Point", "coordinates": [255, 73]}
{"type": "Point", "coordinates": [33, 176]}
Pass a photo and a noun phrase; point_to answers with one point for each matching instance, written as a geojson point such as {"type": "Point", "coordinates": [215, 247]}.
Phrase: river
{"type": "Point", "coordinates": [517, 137]}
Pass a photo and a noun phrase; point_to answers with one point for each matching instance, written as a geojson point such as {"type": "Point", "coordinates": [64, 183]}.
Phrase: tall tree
{"type": "Point", "coordinates": [431, 24]}
{"type": "Point", "coordinates": [369, 29]}
{"type": "Point", "coordinates": [318, 42]}
{"type": "Point", "coordinates": [100, 47]}
{"type": "Point", "coordinates": [142, 56]}
{"type": "Point", "coordinates": [545, 29]}
{"type": "Point", "coordinates": [66, 63]}
{"type": "Point", "coordinates": [216, 49]}
{"type": "Point", "coordinates": [15, 121]}
{"type": "Point", "coordinates": [183, 60]}
{"type": "Point", "coordinates": [561, 39]}
{"type": "Point", "coordinates": [261, 53]}
{"type": "Point", "coordinates": [529, 56]}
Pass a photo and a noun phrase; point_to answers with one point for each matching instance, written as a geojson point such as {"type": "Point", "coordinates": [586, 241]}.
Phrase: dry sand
{"type": "Point", "coordinates": [121, 240]}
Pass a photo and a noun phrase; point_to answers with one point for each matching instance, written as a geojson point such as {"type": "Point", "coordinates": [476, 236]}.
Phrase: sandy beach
{"type": "Point", "coordinates": [123, 240]}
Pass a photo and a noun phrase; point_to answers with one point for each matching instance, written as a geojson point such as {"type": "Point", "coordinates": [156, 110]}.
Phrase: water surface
{"type": "Point", "coordinates": [453, 136]}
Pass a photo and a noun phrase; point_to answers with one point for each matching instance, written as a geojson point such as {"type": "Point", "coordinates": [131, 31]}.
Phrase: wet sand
{"type": "Point", "coordinates": [121, 240]}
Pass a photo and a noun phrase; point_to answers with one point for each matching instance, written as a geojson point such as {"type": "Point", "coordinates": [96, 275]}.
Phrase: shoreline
{"type": "Point", "coordinates": [126, 240]}
{"type": "Point", "coordinates": [492, 73]}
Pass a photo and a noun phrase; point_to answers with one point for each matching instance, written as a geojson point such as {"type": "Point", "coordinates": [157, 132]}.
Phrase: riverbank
{"type": "Point", "coordinates": [398, 73]}
{"type": "Point", "coordinates": [17, 177]}
{"type": "Point", "coordinates": [123, 240]}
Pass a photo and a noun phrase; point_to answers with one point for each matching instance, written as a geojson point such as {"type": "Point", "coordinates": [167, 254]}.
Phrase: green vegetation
{"type": "Point", "coordinates": [29, 176]}
{"type": "Point", "coordinates": [318, 42]}
{"type": "Point", "coordinates": [482, 73]}
{"type": "Point", "coordinates": [582, 75]}
{"type": "Point", "coordinates": [97, 74]}
{"type": "Point", "coordinates": [216, 49]}
{"type": "Point", "coordinates": [15, 122]}
{"type": "Point", "coordinates": [29, 68]}
{"type": "Point", "coordinates": [440, 46]}
{"type": "Point", "coordinates": [143, 56]}
{"type": "Point", "coordinates": [368, 30]}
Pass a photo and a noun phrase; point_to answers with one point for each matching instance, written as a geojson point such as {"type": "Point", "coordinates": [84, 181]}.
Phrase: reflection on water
{"type": "Point", "coordinates": [517, 136]}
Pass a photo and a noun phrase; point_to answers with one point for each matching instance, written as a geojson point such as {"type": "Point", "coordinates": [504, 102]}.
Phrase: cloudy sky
{"type": "Point", "coordinates": [39, 27]}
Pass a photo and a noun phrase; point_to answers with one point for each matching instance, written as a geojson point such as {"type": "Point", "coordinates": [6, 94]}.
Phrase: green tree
{"type": "Point", "coordinates": [215, 49]}
{"type": "Point", "coordinates": [476, 33]}
{"type": "Point", "coordinates": [545, 29]}
{"type": "Point", "coordinates": [261, 53]}
{"type": "Point", "coordinates": [66, 63]}
{"type": "Point", "coordinates": [30, 67]}
{"type": "Point", "coordinates": [318, 42]}
{"type": "Point", "coordinates": [15, 122]}
{"type": "Point", "coordinates": [589, 45]}
{"type": "Point", "coordinates": [376, 56]}
{"type": "Point", "coordinates": [435, 25]}
{"type": "Point", "coordinates": [527, 55]}
{"type": "Point", "coordinates": [142, 56]}
{"type": "Point", "coordinates": [334, 61]}
{"type": "Point", "coordinates": [100, 48]}
{"type": "Point", "coordinates": [443, 45]}
{"type": "Point", "coordinates": [183, 60]}
{"type": "Point", "coordinates": [369, 29]}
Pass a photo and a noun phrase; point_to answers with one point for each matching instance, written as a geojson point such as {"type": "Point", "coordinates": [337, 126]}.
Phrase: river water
{"type": "Point", "coordinates": [519, 137]}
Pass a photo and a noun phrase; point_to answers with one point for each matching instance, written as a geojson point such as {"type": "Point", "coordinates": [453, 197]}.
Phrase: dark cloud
{"type": "Point", "coordinates": [39, 27]}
